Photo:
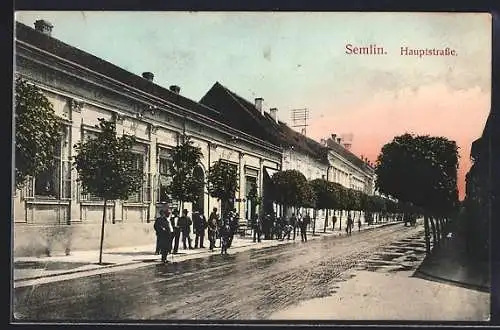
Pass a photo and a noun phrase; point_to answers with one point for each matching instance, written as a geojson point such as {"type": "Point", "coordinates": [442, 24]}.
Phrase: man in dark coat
{"type": "Point", "coordinates": [185, 226]}
{"type": "Point", "coordinates": [293, 223]}
{"type": "Point", "coordinates": [303, 227]}
{"type": "Point", "coordinates": [234, 223]}
{"type": "Point", "coordinates": [200, 224]}
{"type": "Point", "coordinates": [163, 234]}
{"type": "Point", "coordinates": [174, 222]}
{"type": "Point", "coordinates": [256, 227]}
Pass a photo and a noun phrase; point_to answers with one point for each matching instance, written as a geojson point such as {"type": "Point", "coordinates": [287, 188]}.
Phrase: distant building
{"type": "Point", "coordinates": [328, 160]}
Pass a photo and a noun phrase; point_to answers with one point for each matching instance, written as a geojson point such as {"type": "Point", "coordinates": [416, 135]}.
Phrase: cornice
{"type": "Point", "coordinates": [96, 79]}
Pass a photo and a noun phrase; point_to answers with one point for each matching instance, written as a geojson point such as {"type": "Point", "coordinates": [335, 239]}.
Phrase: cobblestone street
{"type": "Point", "coordinates": [246, 285]}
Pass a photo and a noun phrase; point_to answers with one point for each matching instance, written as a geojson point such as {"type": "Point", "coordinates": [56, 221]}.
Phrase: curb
{"type": "Point", "coordinates": [321, 235]}
{"type": "Point", "coordinates": [476, 287]}
{"type": "Point", "coordinates": [97, 268]}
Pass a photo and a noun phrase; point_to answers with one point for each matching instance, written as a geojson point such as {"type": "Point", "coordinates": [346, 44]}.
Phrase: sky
{"type": "Point", "coordinates": [298, 60]}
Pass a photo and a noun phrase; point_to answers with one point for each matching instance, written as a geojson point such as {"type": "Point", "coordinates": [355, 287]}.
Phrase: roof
{"type": "Point", "coordinates": [236, 110]}
{"type": "Point", "coordinates": [347, 154]}
{"type": "Point", "coordinates": [54, 46]}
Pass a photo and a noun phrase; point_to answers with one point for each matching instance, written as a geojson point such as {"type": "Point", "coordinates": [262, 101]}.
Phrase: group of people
{"type": "Point", "coordinates": [280, 228]}
{"type": "Point", "coordinates": [169, 226]}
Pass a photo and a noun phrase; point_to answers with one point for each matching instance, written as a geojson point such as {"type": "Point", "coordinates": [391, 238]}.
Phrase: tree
{"type": "Point", "coordinates": [107, 168]}
{"type": "Point", "coordinates": [38, 130]}
{"type": "Point", "coordinates": [325, 198]}
{"type": "Point", "coordinates": [222, 181]}
{"type": "Point", "coordinates": [185, 187]}
{"type": "Point", "coordinates": [341, 200]}
{"type": "Point", "coordinates": [421, 170]}
{"type": "Point", "coordinates": [291, 189]}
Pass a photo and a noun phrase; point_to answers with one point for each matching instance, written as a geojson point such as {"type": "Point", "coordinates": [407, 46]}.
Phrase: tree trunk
{"type": "Point", "coordinates": [314, 221]}
{"type": "Point", "coordinates": [427, 238]}
{"type": "Point", "coordinates": [438, 229]}
{"type": "Point", "coordinates": [326, 221]}
{"type": "Point", "coordinates": [433, 228]}
{"type": "Point", "coordinates": [102, 232]}
{"type": "Point", "coordinates": [340, 219]}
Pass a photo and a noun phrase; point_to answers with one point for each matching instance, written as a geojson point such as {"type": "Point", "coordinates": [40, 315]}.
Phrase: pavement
{"type": "Point", "coordinates": [448, 263]}
{"type": "Point", "coordinates": [375, 296]}
{"type": "Point", "coordinates": [39, 270]}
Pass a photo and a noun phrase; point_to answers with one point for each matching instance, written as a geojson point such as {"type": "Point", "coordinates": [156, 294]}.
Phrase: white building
{"type": "Point", "coordinates": [51, 212]}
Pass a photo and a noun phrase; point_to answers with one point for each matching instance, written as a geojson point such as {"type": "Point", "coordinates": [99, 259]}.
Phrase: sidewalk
{"type": "Point", "coordinates": [448, 263]}
{"type": "Point", "coordinates": [392, 296]}
{"type": "Point", "coordinates": [38, 270]}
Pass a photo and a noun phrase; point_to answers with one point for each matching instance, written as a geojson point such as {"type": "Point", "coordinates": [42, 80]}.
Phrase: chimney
{"type": "Point", "coordinates": [334, 137]}
{"type": "Point", "coordinates": [258, 104]}
{"type": "Point", "coordinates": [274, 113]}
{"type": "Point", "coordinates": [339, 140]}
{"type": "Point", "coordinates": [148, 76]}
{"type": "Point", "coordinates": [44, 27]}
{"type": "Point", "coordinates": [174, 88]}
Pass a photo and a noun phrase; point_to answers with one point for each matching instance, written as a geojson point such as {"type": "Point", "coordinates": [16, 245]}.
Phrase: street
{"type": "Point", "coordinates": [246, 285]}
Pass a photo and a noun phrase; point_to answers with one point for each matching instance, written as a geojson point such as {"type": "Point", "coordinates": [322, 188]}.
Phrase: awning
{"type": "Point", "coordinates": [270, 171]}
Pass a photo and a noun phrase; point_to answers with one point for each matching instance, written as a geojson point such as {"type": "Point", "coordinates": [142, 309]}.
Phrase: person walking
{"type": "Point", "coordinates": [334, 221]}
{"type": "Point", "coordinates": [214, 216]}
{"type": "Point", "coordinates": [359, 225]}
{"type": "Point", "coordinates": [293, 223]}
{"type": "Point", "coordinates": [200, 224]}
{"type": "Point", "coordinates": [235, 226]}
{"type": "Point", "coordinates": [349, 226]}
{"type": "Point", "coordinates": [256, 227]}
{"type": "Point", "coordinates": [212, 232]}
{"type": "Point", "coordinates": [225, 232]}
{"type": "Point", "coordinates": [176, 230]}
{"type": "Point", "coordinates": [303, 223]}
{"type": "Point", "coordinates": [164, 234]}
{"type": "Point", "coordinates": [185, 223]}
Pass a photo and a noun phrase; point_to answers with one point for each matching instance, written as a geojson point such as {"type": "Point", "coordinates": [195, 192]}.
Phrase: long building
{"type": "Point", "coordinates": [330, 161]}
{"type": "Point", "coordinates": [51, 212]}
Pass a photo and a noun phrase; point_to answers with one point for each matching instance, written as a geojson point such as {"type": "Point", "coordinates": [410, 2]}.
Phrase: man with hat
{"type": "Point", "coordinates": [174, 221]}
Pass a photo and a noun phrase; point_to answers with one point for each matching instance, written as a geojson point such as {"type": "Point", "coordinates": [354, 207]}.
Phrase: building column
{"type": "Point", "coordinates": [153, 171]}
{"type": "Point", "coordinates": [75, 137]}
{"type": "Point", "coordinates": [241, 190]}
{"type": "Point", "coordinates": [260, 186]}
{"type": "Point", "coordinates": [118, 214]}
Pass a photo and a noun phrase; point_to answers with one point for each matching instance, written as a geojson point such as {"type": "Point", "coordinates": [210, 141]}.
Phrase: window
{"type": "Point", "coordinates": [55, 182]}
{"type": "Point", "coordinates": [89, 134]}
{"type": "Point", "coordinates": [164, 179]}
{"type": "Point", "coordinates": [138, 196]}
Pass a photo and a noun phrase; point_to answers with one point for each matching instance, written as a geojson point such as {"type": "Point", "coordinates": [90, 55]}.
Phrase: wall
{"type": "Point", "coordinates": [74, 223]}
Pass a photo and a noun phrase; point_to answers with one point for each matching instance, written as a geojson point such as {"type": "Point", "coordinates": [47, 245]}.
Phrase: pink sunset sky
{"type": "Point", "coordinates": [298, 60]}
{"type": "Point", "coordinates": [432, 109]}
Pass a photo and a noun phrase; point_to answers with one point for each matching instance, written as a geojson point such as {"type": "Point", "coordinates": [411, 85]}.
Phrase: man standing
{"type": "Point", "coordinates": [256, 227]}
{"type": "Point", "coordinates": [214, 217]}
{"type": "Point", "coordinates": [163, 233]}
{"type": "Point", "coordinates": [174, 221]}
{"type": "Point", "coordinates": [212, 231]}
{"type": "Point", "coordinates": [234, 223]}
{"type": "Point", "coordinates": [185, 226]}
{"type": "Point", "coordinates": [200, 224]}
{"type": "Point", "coordinates": [293, 223]}
{"type": "Point", "coordinates": [303, 227]}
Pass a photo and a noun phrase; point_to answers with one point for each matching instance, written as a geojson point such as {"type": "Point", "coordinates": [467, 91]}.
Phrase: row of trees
{"type": "Point", "coordinates": [422, 170]}
{"type": "Point", "coordinates": [292, 190]}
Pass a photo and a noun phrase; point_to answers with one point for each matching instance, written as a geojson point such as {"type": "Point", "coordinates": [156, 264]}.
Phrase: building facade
{"type": "Point", "coordinates": [330, 161]}
{"type": "Point", "coordinates": [51, 211]}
